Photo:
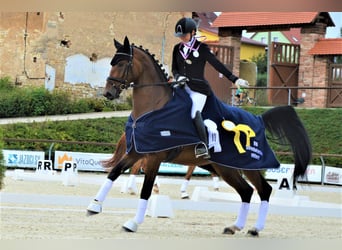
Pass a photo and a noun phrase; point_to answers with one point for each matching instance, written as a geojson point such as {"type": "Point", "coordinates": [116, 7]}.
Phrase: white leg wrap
{"type": "Point", "coordinates": [184, 185]}
{"type": "Point", "coordinates": [131, 183]}
{"type": "Point", "coordinates": [102, 193]}
{"type": "Point", "coordinates": [242, 216]}
{"type": "Point", "coordinates": [263, 209]}
{"type": "Point", "coordinates": [215, 182]}
{"type": "Point", "coordinates": [141, 210]}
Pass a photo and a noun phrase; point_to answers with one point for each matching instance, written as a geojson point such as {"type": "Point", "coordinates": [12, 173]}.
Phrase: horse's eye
{"type": "Point", "coordinates": [121, 64]}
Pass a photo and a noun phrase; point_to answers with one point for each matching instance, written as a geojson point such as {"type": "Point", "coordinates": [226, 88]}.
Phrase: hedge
{"type": "Point", "coordinates": [323, 127]}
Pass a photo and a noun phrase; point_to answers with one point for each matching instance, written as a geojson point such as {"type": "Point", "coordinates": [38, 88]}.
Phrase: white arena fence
{"type": "Point", "coordinates": [21, 159]}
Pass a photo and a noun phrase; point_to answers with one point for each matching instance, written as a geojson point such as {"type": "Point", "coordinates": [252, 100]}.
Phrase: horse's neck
{"type": "Point", "coordinates": [151, 98]}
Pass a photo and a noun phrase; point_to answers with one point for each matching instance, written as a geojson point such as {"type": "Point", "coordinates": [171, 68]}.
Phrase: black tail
{"type": "Point", "coordinates": [284, 123]}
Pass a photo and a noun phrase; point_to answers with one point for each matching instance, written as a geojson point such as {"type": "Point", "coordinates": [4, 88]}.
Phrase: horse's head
{"type": "Point", "coordinates": [120, 75]}
{"type": "Point", "coordinates": [133, 67]}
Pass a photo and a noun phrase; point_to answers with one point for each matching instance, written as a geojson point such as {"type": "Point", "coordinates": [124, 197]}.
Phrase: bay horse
{"type": "Point", "coordinates": [248, 151]}
{"type": "Point", "coordinates": [139, 166]}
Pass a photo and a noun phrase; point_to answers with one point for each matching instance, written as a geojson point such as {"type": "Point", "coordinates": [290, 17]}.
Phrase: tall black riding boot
{"type": "Point", "coordinates": [201, 149]}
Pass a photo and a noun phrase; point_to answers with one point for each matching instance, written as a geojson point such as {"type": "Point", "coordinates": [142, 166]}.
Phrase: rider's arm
{"type": "Point", "coordinates": [220, 67]}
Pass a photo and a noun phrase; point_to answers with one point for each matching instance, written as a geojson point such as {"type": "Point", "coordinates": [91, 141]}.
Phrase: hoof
{"type": "Point", "coordinates": [231, 230]}
{"type": "Point", "coordinates": [130, 226]}
{"type": "Point", "coordinates": [94, 207]}
{"type": "Point", "coordinates": [90, 213]}
{"type": "Point", "coordinates": [155, 189]}
{"type": "Point", "coordinates": [184, 195]}
{"type": "Point", "coordinates": [253, 232]}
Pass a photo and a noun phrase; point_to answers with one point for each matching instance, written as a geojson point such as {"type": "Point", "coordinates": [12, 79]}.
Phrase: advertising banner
{"type": "Point", "coordinates": [172, 168]}
{"type": "Point", "coordinates": [314, 173]}
{"type": "Point", "coordinates": [333, 175]}
{"type": "Point", "coordinates": [22, 159]}
{"type": "Point", "coordinates": [84, 161]}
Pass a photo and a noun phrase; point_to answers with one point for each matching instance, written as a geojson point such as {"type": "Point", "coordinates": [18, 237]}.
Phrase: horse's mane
{"type": "Point", "coordinates": [159, 67]}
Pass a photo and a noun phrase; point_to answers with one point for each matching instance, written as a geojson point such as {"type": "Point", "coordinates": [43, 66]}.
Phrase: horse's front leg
{"type": "Point", "coordinates": [95, 205]}
{"type": "Point", "coordinates": [151, 170]}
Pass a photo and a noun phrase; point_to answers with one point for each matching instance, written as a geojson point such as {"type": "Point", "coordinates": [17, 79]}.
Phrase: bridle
{"type": "Point", "coordinates": [124, 84]}
{"type": "Point", "coordinates": [123, 81]}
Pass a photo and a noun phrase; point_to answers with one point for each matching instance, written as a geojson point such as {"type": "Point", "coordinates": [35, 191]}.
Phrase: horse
{"type": "Point", "coordinates": [139, 166]}
{"type": "Point", "coordinates": [119, 152]}
{"type": "Point", "coordinates": [245, 147]}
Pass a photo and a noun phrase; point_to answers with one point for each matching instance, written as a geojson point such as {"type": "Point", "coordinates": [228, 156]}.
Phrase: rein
{"type": "Point", "coordinates": [124, 84]}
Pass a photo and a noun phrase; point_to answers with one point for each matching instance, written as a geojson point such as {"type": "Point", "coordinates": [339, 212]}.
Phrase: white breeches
{"type": "Point", "coordinates": [198, 101]}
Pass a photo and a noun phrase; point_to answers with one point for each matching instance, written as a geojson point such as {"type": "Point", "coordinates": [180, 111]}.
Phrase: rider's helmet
{"type": "Point", "coordinates": [185, 25]}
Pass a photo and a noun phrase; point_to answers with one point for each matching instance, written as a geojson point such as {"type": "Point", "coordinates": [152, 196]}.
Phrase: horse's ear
{"type": "Point", "coordinates": [126, 42]}
{"type": "Point", "coordinates": [117, 44]}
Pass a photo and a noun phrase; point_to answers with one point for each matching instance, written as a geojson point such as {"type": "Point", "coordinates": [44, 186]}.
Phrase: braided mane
{"type": "Point", "coordinates": [159, 67]}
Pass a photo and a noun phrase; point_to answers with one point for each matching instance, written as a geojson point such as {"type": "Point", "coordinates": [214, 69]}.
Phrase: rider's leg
{"type": "Point", "coordinates": [198, 102]}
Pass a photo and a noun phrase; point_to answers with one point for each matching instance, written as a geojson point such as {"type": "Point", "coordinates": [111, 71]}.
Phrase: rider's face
{"type": "Point", "coordinates": [185, 38]}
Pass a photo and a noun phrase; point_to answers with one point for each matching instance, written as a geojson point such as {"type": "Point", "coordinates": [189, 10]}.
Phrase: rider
{"type": "Point", "coordinates": [239, 94]}
{"type": "Point", "coordinates": [188, 62]}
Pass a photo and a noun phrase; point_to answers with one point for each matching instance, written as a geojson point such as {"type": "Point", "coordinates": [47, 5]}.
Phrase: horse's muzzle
{"type": "Point", "coordinates": [108, 95]}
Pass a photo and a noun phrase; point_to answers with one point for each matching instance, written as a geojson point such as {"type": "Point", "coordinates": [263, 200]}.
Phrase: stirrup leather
{"type": "Point", "coordinates": [201, 150]}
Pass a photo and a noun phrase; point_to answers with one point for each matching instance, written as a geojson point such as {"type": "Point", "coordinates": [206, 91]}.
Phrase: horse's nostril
{"type": "Point", "coordinates": [108, 95]}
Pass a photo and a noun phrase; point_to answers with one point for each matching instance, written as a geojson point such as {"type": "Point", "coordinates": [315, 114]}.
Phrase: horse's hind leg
{"type": "Point", "coordinates": [264, 190]}
{"type": "Point", "coordinates": [184, 186]}
{"type": "Point", "coordinates": [95, 205]}
{"type": "Point", "coordinates": [131, 184]}
{"type": "Point", "coordinates": [234, 179]}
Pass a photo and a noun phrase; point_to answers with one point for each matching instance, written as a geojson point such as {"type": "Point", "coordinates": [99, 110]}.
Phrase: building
{"type": "Point", "coordinates": [72, 50]}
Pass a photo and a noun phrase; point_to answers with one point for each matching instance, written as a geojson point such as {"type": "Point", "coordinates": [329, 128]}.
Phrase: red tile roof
{"type": "Point", "coordinates": [293, 35]}
{"type": "Point", "coordinates": [253, 19]}
{"type": "Point", "coordinates": [327, 46]}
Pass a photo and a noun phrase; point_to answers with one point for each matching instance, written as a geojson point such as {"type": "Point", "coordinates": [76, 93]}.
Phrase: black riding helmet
{"type": "Point", "coordinates": [184, 26]}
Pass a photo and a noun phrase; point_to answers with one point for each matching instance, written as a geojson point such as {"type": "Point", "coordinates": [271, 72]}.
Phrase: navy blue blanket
{"type": "Point", "coordinates": [172, 127]}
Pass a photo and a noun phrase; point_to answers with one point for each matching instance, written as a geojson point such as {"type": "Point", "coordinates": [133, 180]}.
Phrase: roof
{"type": "Point", "coordinates": [206, 20]}
{"type": "Point", "coordinates": [327, 46]}
{"type": "Point", "coordinates": [257, 19]}
{"type": "Point", "coordinates": [293, 35]}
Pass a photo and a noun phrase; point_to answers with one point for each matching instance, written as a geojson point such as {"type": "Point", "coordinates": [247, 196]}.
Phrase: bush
{"type": "Point", "coordinates": [6, 85]}
{"type": "Point", "coordinates": [22, 102]}
{"type": "Point", "coordinates": [261, 80]}
{"type": "Point", "coordinates": [2, 166]}
{"type": "Point", "coordinates": [261, 62]}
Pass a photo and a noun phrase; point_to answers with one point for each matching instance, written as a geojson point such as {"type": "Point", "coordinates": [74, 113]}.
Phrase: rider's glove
{"type": "Point", "coordinates": [181, 80]}
{"type": "Point", "coordinates": [240, 83]}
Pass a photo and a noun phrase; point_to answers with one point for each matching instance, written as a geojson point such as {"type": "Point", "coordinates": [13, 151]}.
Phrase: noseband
{"type": "Point", "coordinates": [123, 81]}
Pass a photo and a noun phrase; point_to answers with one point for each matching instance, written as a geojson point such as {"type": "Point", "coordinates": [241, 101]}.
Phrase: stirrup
{"type": "Point", "coordinates": [201, 150]}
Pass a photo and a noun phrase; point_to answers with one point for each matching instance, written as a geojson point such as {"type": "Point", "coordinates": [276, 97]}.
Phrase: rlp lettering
{"type": "Point", "coordinates": [44, 165]}
{"type": "Point", "coordinates": [285, 183]}
{"type": "Point", "coordinates": [70, 166]}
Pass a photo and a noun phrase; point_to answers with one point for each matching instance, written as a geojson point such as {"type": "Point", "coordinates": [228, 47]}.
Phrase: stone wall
{"type": "Point", "coordinates": [313, 69]}
{"type": "Point", "coordinates": [30, 41]}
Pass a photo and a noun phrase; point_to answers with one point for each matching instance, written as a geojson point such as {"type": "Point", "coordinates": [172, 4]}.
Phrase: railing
{"type": "Point", "coordinates": [259, 94]}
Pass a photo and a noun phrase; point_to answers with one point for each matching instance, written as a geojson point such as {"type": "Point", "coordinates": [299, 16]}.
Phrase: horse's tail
{"type": "Point", "coordinates": [284, 123]}
{"type": "Point", "coordinates": [117, 155]}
